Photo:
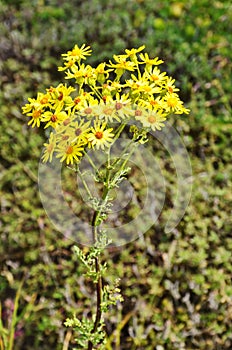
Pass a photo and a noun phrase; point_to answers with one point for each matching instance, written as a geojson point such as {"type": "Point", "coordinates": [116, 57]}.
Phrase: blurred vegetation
{"type": "Point", "coordinates": [177, 286]}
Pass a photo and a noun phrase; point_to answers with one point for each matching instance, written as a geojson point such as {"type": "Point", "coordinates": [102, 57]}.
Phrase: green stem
{"type": "Point", "coordinates": [99, 296]}
{"type": "Point", "coordinates": [128, 156]}
{"type": "Point", "coordinates": [96, 216]}
{"type": "Point", "coordinates": [91, 162]}
{"type": "Point", "coordinates": [121, 155]}
{"type": "Point", "coordinates": [14, 318]}
{"type": "Point", "coordinates": [122, 167]}
{"type": "Point", "coordinates": [95, 224]}
{"type": "Point", "coordinates": [96, 92]}
{"type": "Point", "coordinates": [118, 132]}
{"type": "Point", "coordinates": [84, 183]}
{"type": "Point", "coordinates": [98, 284]}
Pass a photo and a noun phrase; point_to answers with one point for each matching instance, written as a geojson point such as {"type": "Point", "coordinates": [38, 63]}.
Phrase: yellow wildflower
{"type": "Point", "coordinates": [145, 59]}
{"type": "Point", "coordinates": [156, 76]}
{"type": "Point", "coordinates": [172, 103]}
{"type": "Point", "coordinates": [151, 103]}
{"type": "Point", "coordinates": [148, 89]}
{"type": "Point", "coordinates": [102, 98]}
{"type": "Point", "coordinates": [79, 131]}
{"type": "Point", "coordinates": [131, 54]}
{"type": "Point", "coordinates": [169, 85]}
{"type": "Point", "coordinates": [69, 152]}
{"type": "Point", "coordinates": [123, 106]}
{"type": "Point", "coordinates": [32, 105]}
{"type": "Point", "coordinates": [114, 108]}
{"type": "Point", "coordinates": [43, 99]}
{"type": "Point", "coordinates": [67, 65]}
{"type": "Point", "coordinates": [101, 73]}
{"type": "Point", "coordinates": [152, 120]}
{"type": "Point", "coordinates": [83, 74]}
{"type": "Point", "coordinates": [110, 88]}
{"type": "Point", "coordinates": [36, 117]}
{"type": "Point", "coordinates": [100, 137]}
{"type": "Point", "coordinates": [78, 101]}
{"type": "Point", "coordinates": [106, 112]}
{"type": "Point", "coordinates": [49, 148]}
{"type": "Point", "coordinates": [60, 96]}
{"type": "Point", "coordinates": [121, 65]}
{"type": "Point", "coordinates": [77, 53]}
{"type": "Point", "coordinates": [53, 118]}
{"type": "Point", "coordinates": [88, 107]}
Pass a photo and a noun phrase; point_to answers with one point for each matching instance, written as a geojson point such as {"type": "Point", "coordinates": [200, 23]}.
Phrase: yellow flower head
{"type": "Point", "coordinates": [67, 65]}
{"type": "Point", "coordinates": [132, 53]}
{"type": "Point", "coordinates": [145, 59]}
{"type": "Point", "coordinates": [59, 96]}
{"type": "Point", "coordinates": [77, 53]}
{"type": "Point", "coordinates": [49, 148]}
{"type": "Point", "coordinates": [36, 117]}
{"type": "Point", "coordinates": [152, 120]}
{"type": "Point", "coordinates": [172, 103]}
{"type": "Point", "coordinates": [53, 118]}
{"type": "Point", "coordinates": [169, 85]}
{"type": "Point", "coordinates": [79, 131]}
{"type": "Point", "coordinates": [69, 152]}
{"type": "Point", "coordinates": [152, 103]}
{"type": "Point", "coordinates": [100, 137]}
{"type": "Point", "coordinates": [102, 73]}
{"type": "Point", "coordinates": [121, 65]}
{"type": "Point", "coordinates": [156, 76]}
{"type": "Point", "coordinates": [83, 74]}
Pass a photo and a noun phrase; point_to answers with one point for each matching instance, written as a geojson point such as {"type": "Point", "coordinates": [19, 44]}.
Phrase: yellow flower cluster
{"type": "Point", "coordinates": [132, 89]}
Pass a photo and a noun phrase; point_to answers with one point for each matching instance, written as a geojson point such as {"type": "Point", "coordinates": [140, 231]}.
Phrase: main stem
{"type": "Point", "coordinates": [99, 281]}
{"type": "Point", "coordinates": [96, 215]}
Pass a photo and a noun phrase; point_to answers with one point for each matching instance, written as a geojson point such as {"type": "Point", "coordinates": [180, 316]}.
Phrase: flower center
{"type": "Point", "coordinates": [108, 111]}
{"type": "Point", "coordinates": [50, 148]}
{"type": "Point", "coordinates": [99, 135]}
{"type": "Point", "coordinates": [70, 63]}
{"type": "Point", "coordinates": [78, 131]}
{"type": "Point", "coordinates": [61, 95]}
{"type": "Point", "coordinates": [153, 103]}
{"type": "Point", "coordinates": [138, 113]}
{"type": "Point", "coordinates": [53, 118]}
{"type": "Point", "coordinates": [77, 100]}
{"type": "Point", "coordinates": [44, 100]}
{"type": "Point", "coordinates": [154, 77]}
{"type": "Point", "coordinates": [76, 52]}
{"type": "Point", "coordinates": [172, 101]}
{"type": "Point", "coordinates": [66, 122]}
{"type": "Point", "coordinates": [69, 150]}
{"type": "Point", "coordinates": [65, 137]}
{"type": "Point", "coordinates": [88, 110]}
{"type": "Point", "coordinates": [151, 119]}
{"type": "Point", "coordinates": [36, 114]}
{"type": "Point", "coordinates": [118, 105]}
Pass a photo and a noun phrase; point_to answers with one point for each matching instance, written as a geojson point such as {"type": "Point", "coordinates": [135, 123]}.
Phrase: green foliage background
{"type": "Point", "coordinates": [177, 287]}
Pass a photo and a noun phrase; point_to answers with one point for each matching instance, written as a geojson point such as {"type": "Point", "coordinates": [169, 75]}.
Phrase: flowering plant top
{"type": "Point", "coordinates": [92, 113]}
